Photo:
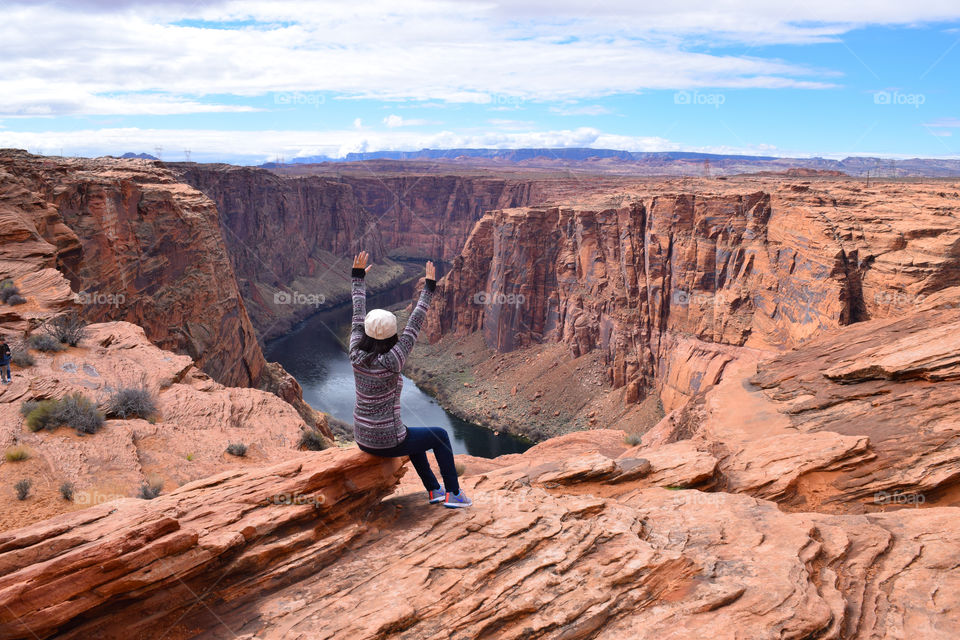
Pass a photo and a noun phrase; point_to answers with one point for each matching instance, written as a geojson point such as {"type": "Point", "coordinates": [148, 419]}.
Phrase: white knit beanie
{"type": "Point", "coordinates": [380, 324]}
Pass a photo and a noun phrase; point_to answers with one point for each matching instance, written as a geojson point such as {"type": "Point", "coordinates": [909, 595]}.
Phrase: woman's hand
{"type": "Point", "coordinates": [431, 271]}
{"type": "Point", "coordinates": [360, 261]}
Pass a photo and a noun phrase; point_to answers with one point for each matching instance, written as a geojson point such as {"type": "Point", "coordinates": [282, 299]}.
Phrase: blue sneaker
{"type": "Point", "coordinates": [457, 501]}
{"type": "Point", "coordinates": [436, 495]}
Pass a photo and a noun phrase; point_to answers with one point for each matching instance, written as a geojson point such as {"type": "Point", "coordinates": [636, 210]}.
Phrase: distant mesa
{"type": "Point", "coordinates": [141, 156]}
{"type": "Point", "coordinates": [651, 163]}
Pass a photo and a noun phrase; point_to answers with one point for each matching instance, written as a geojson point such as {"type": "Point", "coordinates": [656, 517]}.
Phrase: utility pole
{"type": "Point", "coordinates": [159, 151]}
{"type": "Point", "coordinates": [186, 154]}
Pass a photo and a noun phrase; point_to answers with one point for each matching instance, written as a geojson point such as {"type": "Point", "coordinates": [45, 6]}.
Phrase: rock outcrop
{"type": "Point", "coordinates": [124, 240]}
{"type": "Point", "coordinates": [865, 417]}
{"type": "Point", "coordinates": [136, 566]}
{"type": "Point", "coordinates": [136, 245]}
{"type": "Point", "coordinates": [186, 440]}
{"type": "Point", "coordinates": [576, 538]}
{"type": "Point", "coordinates": [294, 237]}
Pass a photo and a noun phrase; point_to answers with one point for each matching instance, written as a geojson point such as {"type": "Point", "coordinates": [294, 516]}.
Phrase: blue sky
{"type": "Point", "coordinates": [247, 81]}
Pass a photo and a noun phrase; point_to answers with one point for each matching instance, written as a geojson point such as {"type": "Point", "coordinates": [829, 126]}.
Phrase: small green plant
{"type": "Point", "coordinates": [17, 453]}
{"type": "Point", "coordinates": [66, 490]}
{"type": "Point", "coordinates": [45, 342]}
{"type": "Point", "coordinates": [22, 488]}
{"type": "Point", "coordinates": [73, 410]}
{"type": "Point", "coordinates": [312, 440]}
{"type": "Point", "coordinates": [189, 457]}
{"type": "Point", "coordinates": [633, 440]}
{"type": "Point", "coordinates": [21, 357]}
{"type": "Point", "coordinates": [16, 299]}
{"type": "Point", "coordinates": [461, 468]}
{"type": "Point", "coordinates": [129, 402]}
{"type": "Point", "coordinates": [237, 449]}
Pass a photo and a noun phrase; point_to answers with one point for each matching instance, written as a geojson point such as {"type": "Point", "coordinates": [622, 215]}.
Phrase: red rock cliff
{"type": "Point", "coordinates": [674, 279]}
{"type": "Point", "coordinates": [299, 233]}
{"type": "Point", "coordinates": [136, 245]}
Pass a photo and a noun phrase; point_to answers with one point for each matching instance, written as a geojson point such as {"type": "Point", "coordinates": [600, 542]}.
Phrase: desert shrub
{"type": "Point", "coordinates": [237, 449]}
{"type": "Point", "coordinates": [66, 329]}
{"type": "Point", "coordinates": [149, 490]}
{"type": "Point", "coordinates": [66, 490]}
{"type": "Point", "coordinates": [312, 440]}
{"type": "Point", "coordinates": [22, 488]}
{"type": "Point", "coordinates": [129, 402]}
{"type": "Point", "coordinates": [73, 410]}
{"type": "Point", "coordinates": [17, 453]}
{"type": "Point", "coordinates": [21, 357]}
{"type": "Point", "coordinates": [15, 299]}
{"type": "Point", "coordinates": [633, 440]}
{"type": "Point", "coordinates": [461, 468]}
{"type": "Point", "coordinates": [27, 406]}
{"type": "Point", "coordinates": [7, 291]}
{"type": "Point", "coordinates": [45, 342]}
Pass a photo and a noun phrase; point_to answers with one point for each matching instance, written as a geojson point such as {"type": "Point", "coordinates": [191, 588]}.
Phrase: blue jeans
{"type": "Point", "coordinates": [5, 371]}
{"type": "Point", "coordinates": [419, 440]}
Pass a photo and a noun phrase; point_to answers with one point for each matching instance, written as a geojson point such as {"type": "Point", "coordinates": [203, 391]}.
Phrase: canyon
{"type": "Point", "coordinates": [297, 235]}
{"type": "Point", "coordinates": [745, 392]}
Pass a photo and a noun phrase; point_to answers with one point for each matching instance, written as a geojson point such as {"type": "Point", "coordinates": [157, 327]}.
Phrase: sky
{"type": "Point", "coordinates": [252, 81]}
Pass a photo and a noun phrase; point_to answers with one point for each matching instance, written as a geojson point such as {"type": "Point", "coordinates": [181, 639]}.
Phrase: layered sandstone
{"type": "Point", "coordinates": [196, 419]}
{"type": "Point", "coordinates": [670, 288]}
{"type": "Point", "coordinates": [578, 537]}
{"type": "Point", "coordinates": [125, 240]}
{"type": "Point", "coordinates": [132, 566]}
{"type": "Point", "coordinates": [137, 245]}
{"type": "Point", "coordinates": [297, 235]}
{"type": "Point", "coordinates": [871, 410]}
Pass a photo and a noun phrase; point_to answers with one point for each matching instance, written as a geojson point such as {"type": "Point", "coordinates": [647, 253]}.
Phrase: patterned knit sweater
{"type": "Point", "coordinates": [376, 416]}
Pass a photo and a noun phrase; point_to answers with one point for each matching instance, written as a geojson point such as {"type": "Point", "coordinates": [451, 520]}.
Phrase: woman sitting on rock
{"type": "Point", "coordinates": [378, 355]}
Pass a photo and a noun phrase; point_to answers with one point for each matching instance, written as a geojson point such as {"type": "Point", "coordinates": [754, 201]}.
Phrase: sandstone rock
{"type": "Point", "coordinates": [198, 418]}
{"type": "Point", "coordinates": [127, 241]}
{"type": "Point", "coordinates": [140, 247]}
{"type": "Point", "coordinates": [674, 287]}
{"type": "Point", "coordinates": [237, 532]}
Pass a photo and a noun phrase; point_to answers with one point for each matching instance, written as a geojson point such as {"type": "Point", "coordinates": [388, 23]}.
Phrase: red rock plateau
{"type": "Point", "coordinates": [798, 337]}
{"type": "Point", "coordinates": [576, 538]}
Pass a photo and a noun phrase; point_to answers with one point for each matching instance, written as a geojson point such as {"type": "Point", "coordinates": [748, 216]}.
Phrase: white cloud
{"type": "Point", "coordinates": [950, 123]}
{"type": "Point", "coordinates": [258, 146]}
{"type": "Point", "coordinates": [86, 62]}
{"type": "Point", "coordinates": [586, 110]}
{"type": "Point", "coordinates": [394, 121]}
{"type": "Point", "coordinates": [357, 123]}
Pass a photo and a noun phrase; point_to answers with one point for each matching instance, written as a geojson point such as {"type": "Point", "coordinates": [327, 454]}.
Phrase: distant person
{"type": "Point", "coordinates": [4, 361]}
{"type": "Point", "coordinates": [378, 355]}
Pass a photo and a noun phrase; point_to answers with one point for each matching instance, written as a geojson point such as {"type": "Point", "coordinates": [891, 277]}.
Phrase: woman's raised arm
{"type": "Point", "coordinates": [360, 268]}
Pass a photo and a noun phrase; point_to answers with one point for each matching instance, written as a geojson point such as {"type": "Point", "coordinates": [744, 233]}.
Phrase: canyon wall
{"type": "Point", "coordinates": [297, 235]}
{"type": "Point", "coordinates": [670, 287]}
{"type": "Point", "coordinates": [134, 244]}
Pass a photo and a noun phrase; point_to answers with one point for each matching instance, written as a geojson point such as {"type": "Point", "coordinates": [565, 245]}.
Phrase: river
{"type": "Point", "coordinates": [313, 353]}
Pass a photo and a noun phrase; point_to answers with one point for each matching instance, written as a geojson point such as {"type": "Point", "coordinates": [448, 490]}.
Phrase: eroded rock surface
{"type": "Point", "coordinates": [556, 552]}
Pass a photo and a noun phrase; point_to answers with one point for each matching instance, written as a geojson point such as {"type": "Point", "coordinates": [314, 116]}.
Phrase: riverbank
{"type": "Point", "coordinates": [535, 393]}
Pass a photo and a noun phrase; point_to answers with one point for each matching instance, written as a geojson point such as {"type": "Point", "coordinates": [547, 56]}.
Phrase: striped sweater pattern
{"type": "Point", "coordinates": [376, 416]}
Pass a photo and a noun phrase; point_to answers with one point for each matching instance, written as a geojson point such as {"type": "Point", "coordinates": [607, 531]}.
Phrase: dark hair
{"type": "Point", "coordinates": [379, 347]}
